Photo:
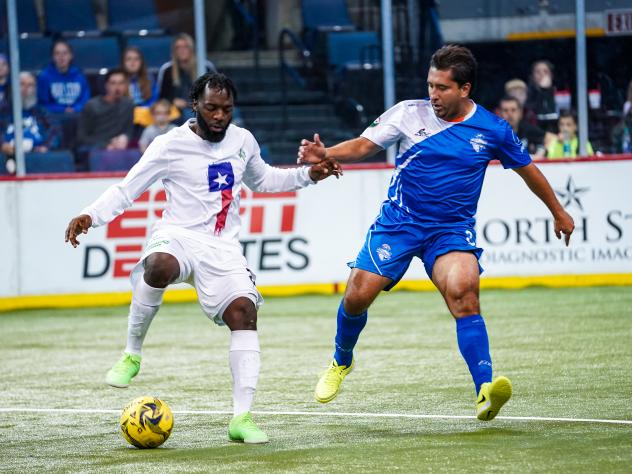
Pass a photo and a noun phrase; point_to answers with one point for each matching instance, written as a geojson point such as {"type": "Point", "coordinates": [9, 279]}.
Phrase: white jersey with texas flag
{"type": "Point", "coordinates": [202, 181]}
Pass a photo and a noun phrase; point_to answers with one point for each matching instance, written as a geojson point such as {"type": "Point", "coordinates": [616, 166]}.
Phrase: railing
{"type": "Point", "coordinates": [286, 68]}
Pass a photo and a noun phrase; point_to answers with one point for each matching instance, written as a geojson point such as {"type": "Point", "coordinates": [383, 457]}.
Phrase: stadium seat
{"type": "Point", "coordinates": [130, 17]}
{"type": "Point", "coordinates": [326, 15]}
{"type": "Point", "coordinates": [3, 165]}
{"type": "Point", "coordinates": [113, 160]}
{"type": "Point", "coordinates": [71, 17]}
{"type": "Point", "coordinates": [156, 49]}
{"type": "Point", "coordinates": [94, 54]}
{"type": "Point", "coordinates": [50, 162]}
{"type": "Point", "coordinates": [353, 49]}
{"type": "Point", "coordinates": [34, 53]}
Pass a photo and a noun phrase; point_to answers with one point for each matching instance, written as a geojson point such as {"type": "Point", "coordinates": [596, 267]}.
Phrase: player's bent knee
{"type": "Point", "coordinates": [356, 303]}
{"type": "Point", "coordinates": [240, 315]}
{"type": "Point", "coordinates": [463, 303]}
{"type": "Point", "coordinates": [161, 269]}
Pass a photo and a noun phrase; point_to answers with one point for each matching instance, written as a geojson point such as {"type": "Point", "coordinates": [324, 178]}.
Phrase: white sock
{"type": "Point", "coordinates": [145, 303]}
{"type": "Point", "coordinates": [245, 363]}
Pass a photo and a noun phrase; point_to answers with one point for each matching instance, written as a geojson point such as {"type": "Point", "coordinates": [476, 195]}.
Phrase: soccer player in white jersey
{"type": "Point", "coordinates": [445, 145]}
{"type": "Point", "coordinates": [202, 165]}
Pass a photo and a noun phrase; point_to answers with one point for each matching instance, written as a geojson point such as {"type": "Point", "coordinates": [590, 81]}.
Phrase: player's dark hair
{"type": "Point", "coordinates": [568, 113]}
{"type": "Point", "coordinates": [510, 98]}
{"type": "Point", "coordinates": [459, 60]}
{"type": "Point", "coordinates": [114, 71]}
{"type": "Point", "coordinates": [213, 80]}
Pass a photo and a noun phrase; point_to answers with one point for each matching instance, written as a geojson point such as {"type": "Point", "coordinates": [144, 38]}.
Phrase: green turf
{"type": "Point", "coordinates": [568, 352]}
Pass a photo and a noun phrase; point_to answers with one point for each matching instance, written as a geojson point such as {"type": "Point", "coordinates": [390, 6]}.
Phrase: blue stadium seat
{"type": "Point", "coordinates": [3, 165]}
{"type": "Point", "coordinates": [34, 53]}
{"type": "Point", "coordinates": [60, 161]}
{"type": "Point", "coordinates": [155, 49]}
{"type": "Point", "coordinates": [113, 160]}
{"type": "Point", "coordinates": [326, 15]}
{"type": "Point", "coordinates": [130, 17]}
{"type": "Point", "coordinates": [94, 54]}
{"type": "Point", "coordinates": [353, 49]}
{"type": "Point", "coordinates": [70, 17]}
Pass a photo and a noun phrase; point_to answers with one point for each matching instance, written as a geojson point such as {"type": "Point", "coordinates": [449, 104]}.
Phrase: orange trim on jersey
{"type": "Point", "coordinates": [460, 119]}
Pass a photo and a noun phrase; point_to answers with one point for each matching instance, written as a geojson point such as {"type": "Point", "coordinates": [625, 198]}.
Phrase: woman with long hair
{"type": "Point", "coordinates": [141, 84]}
{"type": "Point", "coordinates": [176, 77]}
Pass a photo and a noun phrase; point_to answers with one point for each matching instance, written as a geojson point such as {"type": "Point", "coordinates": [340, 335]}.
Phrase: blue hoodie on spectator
{"type": "Point", "coordinates": [56, 91]}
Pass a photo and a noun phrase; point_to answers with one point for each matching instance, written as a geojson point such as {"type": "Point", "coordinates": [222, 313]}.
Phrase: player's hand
{"type": "Point", "coordinates": [564, 224]}
{"type": "Point", "coordinates": [78, 225]}
{"type": "Point", "coordinates": [311, 152]}
{"type": "Point", "coordinates": [324, 169]}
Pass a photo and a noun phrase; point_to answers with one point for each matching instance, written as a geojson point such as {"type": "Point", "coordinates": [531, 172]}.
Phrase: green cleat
{"type": "Point", "coordinates": [329, 383]}
{"type": "Point", "coordinates": [243, 429]}
{"type": "Point", "coordinates": [491, 397]}
{"type": "Point", "coordinates": [121, 374]}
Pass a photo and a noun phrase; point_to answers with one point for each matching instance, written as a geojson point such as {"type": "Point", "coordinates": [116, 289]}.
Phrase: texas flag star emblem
{"type": "Point", "coordinates": [221, 179]}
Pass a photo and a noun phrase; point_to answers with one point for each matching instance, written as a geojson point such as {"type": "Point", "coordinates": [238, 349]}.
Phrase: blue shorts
{"type": "Point", "coordinates": [396, 237]}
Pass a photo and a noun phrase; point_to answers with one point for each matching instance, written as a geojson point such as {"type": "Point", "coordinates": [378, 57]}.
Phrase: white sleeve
{"type": "Point", "coordinates": [153, 165]}
{"type": "Point", "coordinates": [260, 176]}
{"type": "Point", "coordinates": [386, 129]}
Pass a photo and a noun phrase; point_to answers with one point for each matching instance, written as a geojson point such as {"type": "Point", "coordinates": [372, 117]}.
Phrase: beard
{"type": "Point", "coordinates": [208, 134]}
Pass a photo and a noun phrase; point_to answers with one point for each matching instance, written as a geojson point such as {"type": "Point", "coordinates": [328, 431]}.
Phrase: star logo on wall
{"type": "Point", "coordinates": [571, 194]}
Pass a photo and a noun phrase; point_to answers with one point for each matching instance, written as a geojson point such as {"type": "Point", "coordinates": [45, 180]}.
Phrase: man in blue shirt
{"type": "Point", "coordinates": [445, 145]}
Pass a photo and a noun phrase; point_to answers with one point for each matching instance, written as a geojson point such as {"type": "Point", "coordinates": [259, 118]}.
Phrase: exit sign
{"type": "Point", "coordinates": [619, 22]}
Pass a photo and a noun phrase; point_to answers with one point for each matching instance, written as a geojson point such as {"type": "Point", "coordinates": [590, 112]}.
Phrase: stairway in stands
{"type": "Point", "coordinates": [259, 101]}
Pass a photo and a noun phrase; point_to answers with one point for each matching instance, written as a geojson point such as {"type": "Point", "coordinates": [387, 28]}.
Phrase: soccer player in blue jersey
{"type": "Point", "coordinates": [445, 145]}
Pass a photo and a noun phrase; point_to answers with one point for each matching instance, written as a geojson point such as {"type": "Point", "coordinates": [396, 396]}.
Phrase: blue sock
{"type": "Point", "coordinates": [347, 333]}
{"type": "Point", "coordinates": [471, 334]}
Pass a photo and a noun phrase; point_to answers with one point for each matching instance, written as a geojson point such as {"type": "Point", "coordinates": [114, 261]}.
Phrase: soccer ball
{"type": "Point", "coordinates": [146, 422]}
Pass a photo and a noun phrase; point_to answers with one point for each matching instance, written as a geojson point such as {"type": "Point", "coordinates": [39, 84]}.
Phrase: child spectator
{"type": "Point", "coordinates": [176, 77]}
{"type": "Point", "coordinates": [61, 86]}
{"type": "Point", "coordinates": [566, 143]}
{"type": "Point", "coordinates": [160, 114]}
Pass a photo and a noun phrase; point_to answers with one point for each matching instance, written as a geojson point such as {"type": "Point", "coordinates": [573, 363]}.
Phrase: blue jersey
{"type": "Point", "coordinates": [441, 165]}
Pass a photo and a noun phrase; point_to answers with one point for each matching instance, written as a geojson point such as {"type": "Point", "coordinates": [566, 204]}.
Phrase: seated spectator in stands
{"type": "Point", "coordinates": [176, 77]}
{"type": "Point", "coordinates": [61, 86]}
{"type": "Point", "coordinates": [566, 143]}
{"type": "Point", "coordinates": [107, 121]}
{"type": "Point", "coordinates": [622, 134]}
{"type": "Point", "coordinates": [162, 124]}
{"type": "Point", "coordinates": [141, 84]}
{"type": "Point", "coordinates": [518, 88]}
{"type": "Point", "coordinates": [40, 134]}
{"type": "Point", "coordinates": [5, 81]}
{"type": "Point", "coordinates": [627, 106]}
{"type": "Point", "coordinates": [541, 95]}
{"type": "Point", "coordinates": [532, 137]}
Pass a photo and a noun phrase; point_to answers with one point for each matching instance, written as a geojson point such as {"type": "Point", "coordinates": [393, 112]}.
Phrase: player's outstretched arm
{"type": "Point", "coordinates": [538, 183]}
{"type": "Point", "coordinates": [349, 151]}
{"type": "Point", "coordinates": [78, 225]}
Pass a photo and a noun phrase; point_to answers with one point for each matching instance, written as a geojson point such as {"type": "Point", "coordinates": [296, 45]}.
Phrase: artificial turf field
{"type": "Point", "coordinates": [567, 351]}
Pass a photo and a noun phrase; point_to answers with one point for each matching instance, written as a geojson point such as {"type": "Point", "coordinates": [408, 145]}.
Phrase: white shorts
{"type": "Point", "coordinates": [219, 274]}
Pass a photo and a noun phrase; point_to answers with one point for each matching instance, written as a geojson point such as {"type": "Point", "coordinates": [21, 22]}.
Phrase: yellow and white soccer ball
{"type": "Point", "coordinates": [146, 422]}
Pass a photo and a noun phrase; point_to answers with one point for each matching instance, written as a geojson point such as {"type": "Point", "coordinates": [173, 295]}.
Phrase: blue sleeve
{"type": "Point", "coordinates": [43, 89]}
{"type": "Point", "coordinates": [510, 150]}
{"type": "Point", "coordinates": [85, 94]}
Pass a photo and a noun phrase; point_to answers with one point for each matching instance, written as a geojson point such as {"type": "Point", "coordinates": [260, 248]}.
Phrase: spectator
{"type": "Point", "coordinates": [107, 120]}
{"type": "Point", "coordinates": [160, 113]}
{"type": "Point", "coordinates": [5, 81]}
{"type": "Point", "coordinates": [541, 95]}
{"type": "Point", "coordinates": [61, 86]}
{"type": "Point", "coordinates": [141, 84]}
{"type": "Point", "coordinates": [566, 143]}
{"type": "Point", "coordinates": [627, 106]}
{"type": "Point", "coordinates": [39, 133]}
{"type": "Point", "coordinates": [532, 137]}
{"type": "Point", "coordinates": [622, 134]}
{"type": "Point", "coordinates": [176, 76]}
{"type": "Point", "coordinates": [518, 88]}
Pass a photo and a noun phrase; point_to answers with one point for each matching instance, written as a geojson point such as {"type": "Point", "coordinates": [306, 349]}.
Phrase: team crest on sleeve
{"type": "Point", "coordinates": [375, 122]}
{"type": "Point", "coordinates": [221, 178]}
{"type": "Point", "coordinates": [478, 142]}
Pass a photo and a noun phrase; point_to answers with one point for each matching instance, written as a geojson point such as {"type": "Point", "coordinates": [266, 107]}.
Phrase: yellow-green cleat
{"type": "Point", "coordinates": [121, 374]}
{"type": "Point", "coordinates": [243, 429]}
{"type": "Point", "coordinates": [491, 397]}
{"type": "Point", "coordinates": [329, 383]}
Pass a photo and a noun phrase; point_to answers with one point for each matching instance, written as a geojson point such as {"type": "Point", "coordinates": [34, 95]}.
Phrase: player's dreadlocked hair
{"type": "Point", "coordinates": [459, 60]}
{"type": "Point", "coordinates": [214, 80]}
